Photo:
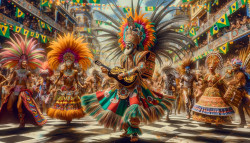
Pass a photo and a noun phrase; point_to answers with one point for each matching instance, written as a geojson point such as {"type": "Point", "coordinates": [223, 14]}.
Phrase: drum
{"type": "Point", "coordinates": [233, 96]}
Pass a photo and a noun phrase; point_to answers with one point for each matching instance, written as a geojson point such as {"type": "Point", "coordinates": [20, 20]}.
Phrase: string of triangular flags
{"type": "Point", "coordinates": [5, 32]}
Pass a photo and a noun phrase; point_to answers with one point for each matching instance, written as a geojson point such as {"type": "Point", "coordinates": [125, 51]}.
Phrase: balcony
{"type": "Point", "coordinates": [227, 37]}
{"type": "Point", "coordinates": [29, 7]}
{"type": "Point", "coordinates": [65, 12]}
{"type": "Point", "coordinates": [213, 18]}
{"type": "Point", "coordinates": [12, 22]}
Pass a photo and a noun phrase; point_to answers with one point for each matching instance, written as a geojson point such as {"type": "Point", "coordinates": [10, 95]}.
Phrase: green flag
{"type": "Point", "coordinates": [43, 39]}
{"type": "Point", "coordinates": [181, 30]}
{"type": "Point", "coordinates": [5, 31]}
{"type": "Point", "coordinates": [209, 7]}
{"type": "Point", "coordinates": [32, 34]}
{"type": "Point", "coordinates": [45, 3]}
{"type": "Point", "coordinates": [49, 27]}
{"type": "Point", "coordinates": [150, 8]}
{"type": "Point", "coordinates": [17, 29]}
{"type": "Point", "coordinates": [192, 32]}
{"type": "Point", "coordinates": [94, 1]}
{"type": "Point", "coordinates": [89, 30]}
{"type": "Point", "coordinates": [244, 2]}
{"type": "Point", "coordinates": [224, 48]}
{"type": "Point", "coordinates": [223, 21]}
{"type": "Point", "coordinates": [196, 42]}
{"type": "Point", "coordinates": [78, 1]}
{"type": "Point", "coordinates": [214, 29]}
{"type": "Point", "coordinates": [26, 32]}
{"type": "Point", "coordinates": [186, 0]}
{"type": "Point", "coordinates": [98, 22]}
{"type": "Point", "coordinates": [19, 13]}
{"type": "Point", "coordinates": [42, 24]}
{"type": "Point", "coordinates": [216, 2]}
{"type": "Point", "coordinates": [126, 9]}
{"type": "Point", "coordinates": [234, 7]}
{"type": "Point", "coordinates": [37, 35]}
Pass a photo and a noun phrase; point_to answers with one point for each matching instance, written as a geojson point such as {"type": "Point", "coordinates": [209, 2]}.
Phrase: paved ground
{"type": "Point", "coordinates": [87, 130]}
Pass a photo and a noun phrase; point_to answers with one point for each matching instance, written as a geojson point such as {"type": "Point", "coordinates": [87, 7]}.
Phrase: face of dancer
{"type": "Point", "coordinates": [187, 70]}
{"type": "Point", "coordinates": [24, 64]}
{"type": "Point", "coordinates": [130, 47]}
{"type": "Point", "coordinates": [69, 64]}
{"type": "Point", "coordinates": [212, 67]}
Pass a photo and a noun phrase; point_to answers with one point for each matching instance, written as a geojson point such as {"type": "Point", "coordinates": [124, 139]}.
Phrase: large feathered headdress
{"type": "Point", "coordinates": [244, 58]}
{"type": "Point", "coordinates": [22, 50]}
{"type": "Point", "coordinates": [68, 47]}
{"type": "Point", "coordinates": [157, 35]}
{"type": "Point", "coordinates": [187, 63]}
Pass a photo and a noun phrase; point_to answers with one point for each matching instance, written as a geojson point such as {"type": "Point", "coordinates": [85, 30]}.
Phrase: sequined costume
{"type": "Point", "coordinates": [134, 42]}
{"type": "Point", "coordinates": [211, 108]}
{"type": "Point", "coordinates": [68, 50]}
{"type": "Point", "coordinates": [19, 106]}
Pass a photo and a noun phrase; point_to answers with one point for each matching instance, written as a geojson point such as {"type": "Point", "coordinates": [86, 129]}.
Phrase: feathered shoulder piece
{"type": "Point", "coordinates": [245, 57]}
{"type": "Point", "coordinates": [151, 33]}
{"type": "Point", "coordinates": [22, 50]}
{"type": "Point", "coordinates": [45, 69]}
{"type": "Point", "coordinates": [68, 47]}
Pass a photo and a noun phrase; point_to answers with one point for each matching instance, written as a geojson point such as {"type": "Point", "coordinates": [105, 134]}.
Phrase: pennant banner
{"type": "Point", "coordinates": [19, 13]}
{"type": "Point", "coordinates": [4, 31]}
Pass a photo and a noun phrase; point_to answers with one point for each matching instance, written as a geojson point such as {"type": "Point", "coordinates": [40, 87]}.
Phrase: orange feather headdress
{"type": "Point", "coordinates": [68, 47]}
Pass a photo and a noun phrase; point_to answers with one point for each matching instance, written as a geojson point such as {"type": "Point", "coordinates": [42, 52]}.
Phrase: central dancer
{"type": "Point", "coordinates": [137, 41]}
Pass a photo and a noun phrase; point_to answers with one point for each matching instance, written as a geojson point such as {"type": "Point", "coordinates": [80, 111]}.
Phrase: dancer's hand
{"type": "Point", "coordinates": [104, 70]}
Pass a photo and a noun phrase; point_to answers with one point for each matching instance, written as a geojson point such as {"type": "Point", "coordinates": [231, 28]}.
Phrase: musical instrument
{"type": "Point", "coordinates": [127, 81]}
{"type": "Point", "coordinates": [233, 96]}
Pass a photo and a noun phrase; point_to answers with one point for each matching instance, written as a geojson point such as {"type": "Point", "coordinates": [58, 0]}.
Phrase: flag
{"type": "Point", "coordinates": [98, 22]}
{"type": "Point", "coordinates": [224, 48]}
{"type": "Point", "coordinates": [209, 7]}
{"type": "Point", "coordinates": [49, 27]}
{"type": "Point", "coordinates": [43, 39]}
{"type": "Point", "coordinates": [19, 13]}
{"type": "Point", "coordinates": [5, 31]}
{"type": "Point", "coordinates": [196, 42]}
{"type": "Point", "coordinates": [25, 32]}
{"type": "Point", "coordinates": [181, 29]}
{"type": "Point", "coordinates": [150, 8]}
{"type": "Point", "coordinates": [17, 29]}
{"type": "Point", "coordinates": [89, 30]}
{"type": "Point", "coordinates": [186, 0]}
{"type": "Point", "coordinates": [37, 35]}
{"type": "Point", "coordinates": [192, 32]}
{"type": "Point", "coordinates": [94, 1]}
{"type": "Point", "coordinates": [42, 24]}
{"type": "Point", "coordinates": [126, 9]}
{"type": "Point", "coordinates": [214, 29]}
{"type": "Point", "coordinates": [45, 3]}
{"type": "Point", "coordinates": [244, 2]}
{"type": "Point", "coordinates": [78, 1]}
{"type": "Point", "coordinates": [233, 7]}
{"type": "Point", "coordinates": [32, 34]}
{"type": "Point", "coordinates": [223, 21]}
{"type": "Point", "coordinates": [216, 2]}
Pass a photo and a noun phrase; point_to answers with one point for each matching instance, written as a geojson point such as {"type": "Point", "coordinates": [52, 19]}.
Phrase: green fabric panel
{"type": "Point", "coordinates": [132, 130]}
{"type": "Point", "coordinates": [123, 105]}
{"type": "Point", "coordinates": [105, 102]}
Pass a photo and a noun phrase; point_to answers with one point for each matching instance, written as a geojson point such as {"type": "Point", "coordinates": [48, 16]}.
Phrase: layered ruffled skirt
{"type": "Point", "coordinates": [211, 108]}
{"type": "Point", "coordinates": [67, 106]}
{"type": "Point", "coordinates": [113, 108]}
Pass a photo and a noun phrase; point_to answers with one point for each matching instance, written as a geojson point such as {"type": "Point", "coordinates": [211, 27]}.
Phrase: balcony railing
{"type": "Point", "coordinates": [12, 22]}
{"type": "Point", "coordinates": [70, 16]}
{"type": "Point", "coordinates": [227, 37]}
{"type": "Point", "coordinates": [213, 18]}
{"type": "Point", "coordinates": [29, 7]}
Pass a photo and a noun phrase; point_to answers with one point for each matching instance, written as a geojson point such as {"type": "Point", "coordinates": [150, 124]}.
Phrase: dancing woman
{"type": "Point", "coordinates": [19, 106]}
{"type": "Point", "coordinates": [68, 50]}
{"type": "Point", "coordinates": [211, 108]}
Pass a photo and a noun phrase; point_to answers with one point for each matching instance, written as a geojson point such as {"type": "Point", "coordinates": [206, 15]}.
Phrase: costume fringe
{"type": "Point", "coordinates": [67, 115]}
{"type": "Point", "coordinates": [136, 110]}
{"type": "Point", "coordinates": [132, 131]}
{"type": "Point", "coordinates": [105, 117]}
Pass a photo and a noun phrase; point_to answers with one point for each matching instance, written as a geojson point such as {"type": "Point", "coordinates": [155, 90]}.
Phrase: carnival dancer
{"type": "Point", "coordinates": [44, 94]}
{"type": "Point", "coordinates": [19, 106]}
{"type": "Point", "coordinates": [187, 80]}
{"type": "Point", "coordinates": [94, 81]}
{"type": "Point", "coordinates": [241, 83]}
{"type": "Point", "coordinates": [170, 85]}
{"type": "Point", "coordinates": [132, 100]}
{"type": "Point", "coordinates": [211, 108]}
{"type": "Point", "coordinates": [68, 50]}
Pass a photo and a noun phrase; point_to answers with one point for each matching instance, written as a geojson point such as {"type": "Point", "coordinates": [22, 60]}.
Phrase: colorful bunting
{"type": "Point", "coordinates": [4, 31]}
{"type": "Point", "coordinates": [150, 8]}
{"type": "Point", "coordinates": [223, 21]}
{"type": "Point", "coordinates": [25, 32]}
{"type": "Point", "coordinates": [17, 29]}
{"type": "Point", "coordinates": [45, 3]}
{"type": "Point", "coordinates": [234, 7]}
{"type": "Point", "coordinates": [19, 13]}
{"type": "Point", "coordinates": [49, 27]}
{"type": "Point", "coordinates": [224, 48]}
{"type": "Point", "coordinates": [94, 1]}
{"type": "Point", "coordinates": [126, 9]}
{"type": "Point", "coordinates": [214, 29]}
{"type": "Point", "coordinates": [192, 32]}
{"type": "Point", "coordinates": [43, 39]}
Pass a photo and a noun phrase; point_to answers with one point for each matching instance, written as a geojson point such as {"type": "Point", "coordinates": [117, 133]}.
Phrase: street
{"type": "Point", "coordinates": [87, 130]}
